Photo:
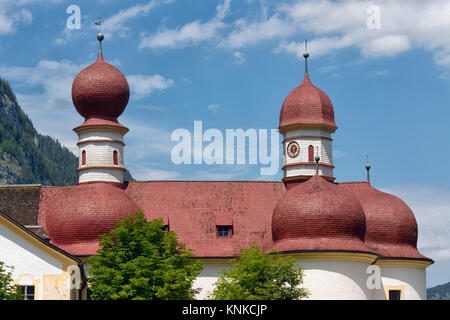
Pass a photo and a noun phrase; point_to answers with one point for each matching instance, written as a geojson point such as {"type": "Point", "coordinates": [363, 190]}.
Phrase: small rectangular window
{"type": "Point", "coordinates": [27, 292]}
{"type": "Point", "coordinates": [224, 231]}
{"type": "Point", "coordinates": [395, 294]}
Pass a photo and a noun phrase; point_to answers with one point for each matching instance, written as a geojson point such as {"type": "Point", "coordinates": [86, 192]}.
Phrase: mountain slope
{"type": "Point", "coordinates": [440, 292]}
{"type": "Point", "coordinates": [27, 157]}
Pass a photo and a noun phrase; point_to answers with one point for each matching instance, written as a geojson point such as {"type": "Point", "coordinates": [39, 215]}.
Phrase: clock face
{"type": "Point", "coordinates": [293, 149]}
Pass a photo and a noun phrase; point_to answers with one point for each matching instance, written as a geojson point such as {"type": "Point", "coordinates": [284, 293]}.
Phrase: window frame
{"type": "Point", "coordinates": [25, 292]}
{"type": "Point", "coordinates": [387, 289]}
{"type": "Point", "coordinates": [221, 233]}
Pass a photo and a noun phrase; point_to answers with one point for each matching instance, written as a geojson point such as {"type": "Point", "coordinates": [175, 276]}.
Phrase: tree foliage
{"type": "Point", "coordinates": [138, 260]}
{"type": "Point", "coordinates": [8, 291]}
{"type": "Point", "coordinates": [256, 275]}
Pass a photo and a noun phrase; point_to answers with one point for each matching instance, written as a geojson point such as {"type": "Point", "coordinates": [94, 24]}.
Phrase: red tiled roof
{"type": "Point", "coordinates": [100, 90]}
{"type": "Point", "coordinates": [315, 215]}
{"type": "Point", "coordinates": [318, 215]}
{"type": "Point", "coordinates": [74, 217]}
{"type": "Point", "coordinates": [195, 208]}
{"type": "Point", "coordinates": [391, 229]}
{"type": "Point", "coordinates": [308, 105]}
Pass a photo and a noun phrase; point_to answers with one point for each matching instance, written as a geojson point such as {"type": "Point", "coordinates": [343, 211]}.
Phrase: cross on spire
{"type": "Point", "coordinates": [100, 35]}
{"type": "Point", "coordinates": [99, 24]}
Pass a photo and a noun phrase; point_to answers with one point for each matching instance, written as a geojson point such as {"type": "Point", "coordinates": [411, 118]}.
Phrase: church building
{"type": "Point", "coordinates": [341, 233]}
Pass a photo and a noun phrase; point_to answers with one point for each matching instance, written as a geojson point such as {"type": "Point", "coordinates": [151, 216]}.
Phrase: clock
{"type": "Point", "coordinates": [293, 149]}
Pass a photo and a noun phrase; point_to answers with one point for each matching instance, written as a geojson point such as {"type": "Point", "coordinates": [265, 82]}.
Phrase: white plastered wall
{"type": "Point", "coordinates": [324, 279]}
{"type": "Point", "coordinates": [33, 266]}
{"type": "Point", "coordinates": [321, 142]}
{"type": "Point", "coordinates": [410, 279]}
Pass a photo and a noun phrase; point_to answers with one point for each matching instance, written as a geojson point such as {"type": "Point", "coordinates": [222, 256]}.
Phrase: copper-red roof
{"type": "Point", "coordinates": [318, 215]}
{"type": "Point", "coordinates": [315, 215]}
{"type": "Point", "coordinates": [100, 90]}
{"type": "Point", "coordinates": [307, 105]}
{"type": "Point", "coordinates": [391, 229]}
{"type": "Point", "coordinates": [74, 217]}
{"type": "Point", "coordinates": [193, 209]}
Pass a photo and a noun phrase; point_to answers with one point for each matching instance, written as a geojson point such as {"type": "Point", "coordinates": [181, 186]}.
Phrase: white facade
{"type": "Point", "coordinates": [35, 264]}
{"type": "Point", "coordinates": [411, 281]}
{"type": "Point", "coordinates": [337, 280]}
{"type": "Point", "coordinates": [206, 279]}
{"type": "Point", "coordinates": [302, 164]}
{"type": "Point", "coordinates": [101, 157]}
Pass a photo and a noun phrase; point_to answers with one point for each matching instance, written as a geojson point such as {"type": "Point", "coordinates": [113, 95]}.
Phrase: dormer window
{"type": "Point", "coordinates": [224, 231]}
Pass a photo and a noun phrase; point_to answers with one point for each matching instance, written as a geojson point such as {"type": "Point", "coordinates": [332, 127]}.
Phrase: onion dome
{"type": "Point", "coordinates": [318, 215]}
{"type": "Point", "coordinates": [391, 229]}
{"type": "Point", "coordinates": [77, 215]}
{"type": "Point", "coordinates": [100, 90]}
{"type": "Point", "coordinates": [307, 105]}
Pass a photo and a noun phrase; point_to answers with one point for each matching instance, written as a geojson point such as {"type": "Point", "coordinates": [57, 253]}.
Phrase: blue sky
{"type": "Point", "coordinates": [232, 63]}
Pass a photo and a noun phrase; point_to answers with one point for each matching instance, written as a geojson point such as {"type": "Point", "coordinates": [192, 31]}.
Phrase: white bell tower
{"type": "Point", "coordinates": [307, 124]}
{"type": "Point", "coordinates": [101, 147]}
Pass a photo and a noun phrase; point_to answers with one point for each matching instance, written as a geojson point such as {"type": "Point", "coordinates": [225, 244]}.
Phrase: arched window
{"type": "Point", "coordinates": [83, 158]}
{"type": "Point", "coordinates": [115, 157]}
{"type": "Point", "coordinates": [311, 153]}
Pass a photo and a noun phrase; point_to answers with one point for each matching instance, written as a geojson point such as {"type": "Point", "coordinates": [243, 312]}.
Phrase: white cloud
{"type": "Point", "coordinates": [155, 174]}
{"type": "Point", "coordinates": [113, 26]}
{"type": "Point", "coordinates": [343, 24]}
{"type": "Point", "coordinates": [116, 24]}
{"type": "Point", "coordinates": [44, 93]}
{"type": "Point", "coordinates": [188, 34]}
{"type": "Point", "coordinates": [143, 85]}
{"type": "Point", "coordinates": [378, 73]}
{"type": "Point", "coordinates": [222, 172]}
{"type": "Point", "coordinates": [213, 107]}
{"type": "Point", "coordinates": [252, 33]}
{"type": "Point", "coordinates": [11, 17]}
{"type": "Point", "coordinates": [339, 154]}
{"type": "Point", "coordinates": [331, 26]}
{"type": "Point", "coordinates": [239, 57]}
{"type": "Point", "coordinates": [431, 207]}
{"type": "Point", "coordinates": [387, 46]}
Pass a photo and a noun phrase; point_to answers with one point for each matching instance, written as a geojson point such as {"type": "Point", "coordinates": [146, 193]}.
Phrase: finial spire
{"type": "Point", "coordinates": [306, 55]}
{"type": "Point", "coordinates": [368, 169]}
{"type": "Point", "coordinates": [100, 36]}
{"type": "Point", "coordinates": [317, 159]}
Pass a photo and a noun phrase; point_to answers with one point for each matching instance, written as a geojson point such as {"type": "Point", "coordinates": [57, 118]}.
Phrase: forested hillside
{"type": "Point", "coordinates": [441, 292]}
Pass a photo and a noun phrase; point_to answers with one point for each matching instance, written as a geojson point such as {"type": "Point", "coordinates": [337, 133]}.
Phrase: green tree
{"type": "Point", "coordinates": [138, 260]}
{"type": "Point", "coordinates": [8, 291]}
{"type": "Point", "coordinates": [256, 275]}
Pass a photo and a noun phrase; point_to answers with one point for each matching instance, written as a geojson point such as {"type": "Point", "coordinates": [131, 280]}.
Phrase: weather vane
{"type": "Point", "coordinates": [100, 35]}
{"type": "Point", "coordinates": [99, 23]}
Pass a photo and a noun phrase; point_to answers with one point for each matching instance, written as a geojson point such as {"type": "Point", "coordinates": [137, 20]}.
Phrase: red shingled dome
{"type": "Point", "coordinates": [100, 90]}
{"type": "Point", "coordinates": [318, 215]}
{"type": "Point", "coordinates": [308, 105]}
{"type": "Point", "coordinates": [391, 229]}
{"type": "Point", "coordinates": [78, 215]}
